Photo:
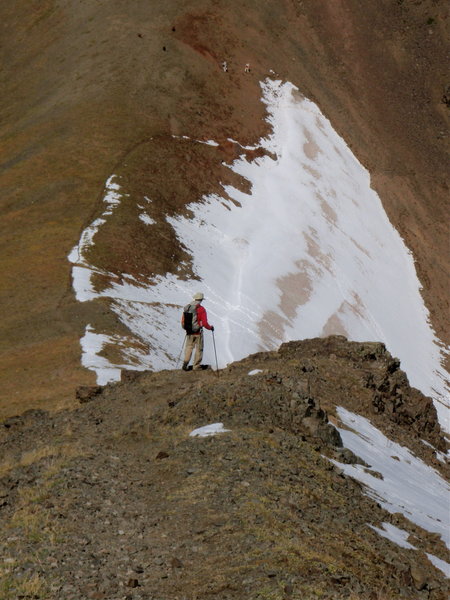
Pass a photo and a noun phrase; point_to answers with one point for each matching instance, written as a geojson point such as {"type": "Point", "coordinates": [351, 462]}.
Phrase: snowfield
{"type": "Point", "coordinates": [310, 252]}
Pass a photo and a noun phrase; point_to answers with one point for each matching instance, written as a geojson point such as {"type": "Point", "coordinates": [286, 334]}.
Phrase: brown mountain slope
{"type": "Point", "coordinates": [86, 85]}
{"type": "Point", "coordinates": [117, 501]}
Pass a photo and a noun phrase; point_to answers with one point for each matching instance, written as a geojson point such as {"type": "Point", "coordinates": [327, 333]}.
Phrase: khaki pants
{"type": "Point", "coordinates": [194, 342]}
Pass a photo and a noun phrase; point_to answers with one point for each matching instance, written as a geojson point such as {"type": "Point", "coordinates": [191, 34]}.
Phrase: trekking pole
{"type": "Point", "coordinates": [215, 352]}
{"type": "Point", "coordinates": [182, 346]}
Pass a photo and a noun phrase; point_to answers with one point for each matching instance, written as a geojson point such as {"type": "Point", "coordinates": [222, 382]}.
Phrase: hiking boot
{"type": "Point", "coordinates": [185, 366]}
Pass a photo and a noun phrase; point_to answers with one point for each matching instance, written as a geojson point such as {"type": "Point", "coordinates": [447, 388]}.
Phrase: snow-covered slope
{"type": "Point", "coordinates": [309, 252]}
{"type": "Point", "coordinates": [407, 486]}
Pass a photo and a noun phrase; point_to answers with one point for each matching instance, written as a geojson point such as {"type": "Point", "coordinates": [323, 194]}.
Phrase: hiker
{"type": "Point", "coordinates": [193, 320]}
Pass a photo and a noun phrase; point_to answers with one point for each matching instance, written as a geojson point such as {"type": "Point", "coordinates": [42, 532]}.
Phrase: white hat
{"type": "Point", "coordinates": [198, 296]}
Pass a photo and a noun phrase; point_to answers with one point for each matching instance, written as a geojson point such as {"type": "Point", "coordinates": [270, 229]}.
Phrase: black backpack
{"type": "Point", "coordinates": [189, 319]}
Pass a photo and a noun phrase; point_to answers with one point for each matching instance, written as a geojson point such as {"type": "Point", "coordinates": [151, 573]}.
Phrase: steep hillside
{"type": "Point", "coordinates": [117, 499]}
{"type": "Point", "coordinates": [94, 87]}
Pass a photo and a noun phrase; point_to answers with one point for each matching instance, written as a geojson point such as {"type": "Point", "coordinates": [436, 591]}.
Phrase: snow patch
{"type": "Point", "coordinates": [440, 564]}
{"type": "Point", "coordinates": [146, 219]}
{"type": "Point", "coordinates": [92, 345]}
{"type": "Point", "coordinates": [111, 198]}
{"type": "Point", "coordinates": [400, 537]}
{"type": "Point", "coordinates": [83, 270]}
{"type": "Point", "coordinates": [255, 372]}
{"type": "Point", "coordinates": [396, 535]}
{"type": "Point", "coordinates": [208, 430]}
{"type": "Point", "coordinates": [441, 456]}
{"type": "Point", "coordinates": [409, 485]}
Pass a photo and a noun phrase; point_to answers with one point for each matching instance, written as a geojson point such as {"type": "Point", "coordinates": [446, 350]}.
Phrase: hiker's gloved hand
{"type": "Point", "coordinates": [212, 328]}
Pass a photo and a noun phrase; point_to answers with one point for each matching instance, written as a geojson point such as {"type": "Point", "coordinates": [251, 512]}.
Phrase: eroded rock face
{"type": "Point", "coordinates": [366, 378]}
{"type": "Point", "coordinates": [86, 393]}
{"type": "Point", "coordinates": [266, 400]}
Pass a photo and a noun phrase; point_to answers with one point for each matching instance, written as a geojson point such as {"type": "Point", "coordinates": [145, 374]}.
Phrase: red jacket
{"type": "Point", "coordinates": [202, 317]}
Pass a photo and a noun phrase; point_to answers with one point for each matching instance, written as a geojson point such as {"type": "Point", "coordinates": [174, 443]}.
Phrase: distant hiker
{"type": "Point", "coordinates": [225, 66]}
{"type": "Point", "coordinates": [193, 320]}
{"type": "Point", "coordinates": [247, 68]}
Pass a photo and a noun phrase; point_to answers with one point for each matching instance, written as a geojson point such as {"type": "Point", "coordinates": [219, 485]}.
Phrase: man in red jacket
{"type": "Point", "coordinates": [194, 336]}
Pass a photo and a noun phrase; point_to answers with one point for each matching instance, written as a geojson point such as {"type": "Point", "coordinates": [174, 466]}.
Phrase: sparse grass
{"type": "Point", "coordinates": [268, 594]}
{"type": "Point", "coordinates": [26, 459]}
{"type": "Point", "coordinates": [307, 592]}
{"type": "Point", "coordinates": [30, 516]}
{"type": "Point", "coordinates": [35, 523]}
{"type": "Point", "coordinates": [59, 452]}
{"type": "Point", "coordinates": [379, 595]}
{"type": "Point", "coordinates": [30, 586]}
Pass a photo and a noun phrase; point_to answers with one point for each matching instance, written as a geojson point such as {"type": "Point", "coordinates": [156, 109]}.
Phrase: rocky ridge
{"type": "Point", "coordinates": [115, 500]}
